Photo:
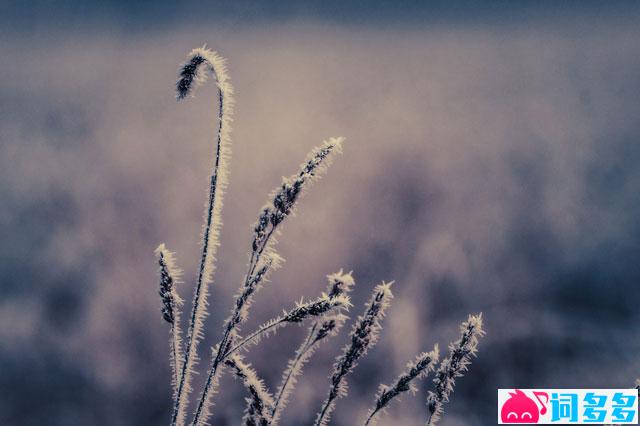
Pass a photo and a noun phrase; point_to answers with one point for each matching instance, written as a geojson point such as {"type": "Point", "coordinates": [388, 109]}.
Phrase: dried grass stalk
{"type": "Point", "coordinates": [194, 72]}
{"type": "Point", "coordinates": [260, 400]}
{"type": "Point", "coordinates": [170, 275]}
{"type": "Point", "coordinates": [455, 365]}
{"type": "Point", "coordinates": [416, 369]}
{"type": "Point", "coordinates": [364, 335]}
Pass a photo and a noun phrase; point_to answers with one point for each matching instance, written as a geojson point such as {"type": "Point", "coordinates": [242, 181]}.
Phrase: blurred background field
{"type": "Point", "coordinates": [491, 164]}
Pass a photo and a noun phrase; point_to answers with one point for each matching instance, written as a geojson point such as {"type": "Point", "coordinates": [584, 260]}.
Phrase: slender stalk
{"type": "Point", "coordinates": [254, 337]}
{"type": "Point", "coordinates": [192, 73]}
{"type": "Point", "coordinates": [257, 411]}
{"type": "Point", "coordinates": [416, 369]}
{"type": "Point", "coordinates": [364, 335]}
{"type": "Point", "coordinates": [289, 372]}
{"type": "Point", "coordinates": [170, 275]}
{"type": "Point", "coordinates": [301, 312]}
{"type": "Point", "coordinates": [460, 355]}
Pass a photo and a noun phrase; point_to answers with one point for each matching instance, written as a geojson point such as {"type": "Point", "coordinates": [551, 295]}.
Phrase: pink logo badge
{"type": "Point", "coordinates": [519, 408]}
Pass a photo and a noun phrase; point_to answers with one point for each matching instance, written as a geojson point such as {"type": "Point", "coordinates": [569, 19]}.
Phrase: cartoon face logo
{"type": "Point", "coordinates": [519, 408]}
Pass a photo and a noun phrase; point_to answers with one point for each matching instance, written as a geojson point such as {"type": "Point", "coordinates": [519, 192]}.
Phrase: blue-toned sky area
{"type": "Point", "coordinates": [491, 165]}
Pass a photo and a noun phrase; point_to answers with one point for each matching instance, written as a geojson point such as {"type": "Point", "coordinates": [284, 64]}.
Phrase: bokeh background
{"type": "Point", "coordinates": [491, 165]}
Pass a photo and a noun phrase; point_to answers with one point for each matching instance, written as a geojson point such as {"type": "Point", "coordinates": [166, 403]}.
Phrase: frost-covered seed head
{"type": "Point", "coordinates": [366, 331]}
{"type": "Point", "coordinates": [189, 75]}
{"type": "Point", "coordinates": [195, 69]}
{"type": "Point", "coordinates": [339, 283]}
{"type": "Point", "coordinates": [316, 308]}
{"type": "Point", "coordinates": [460, 355]}
{"type": "Point", "coordinates": [285, 198]}
{"type": "Point", "coordinates": [260, 228]}
{"type": "Point", "coordinates": [169, 274]}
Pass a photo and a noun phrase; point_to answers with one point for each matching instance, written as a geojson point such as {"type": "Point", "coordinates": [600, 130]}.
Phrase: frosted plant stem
{"type": "Point", "coordinates": [249, 338]}
{"type": "Point", "coordinates": [224, 343]}
{"type": "Point", "coordinates": [416, 369]}
{"type": "Point", "coordinates": [260, 398]}
{"type": "Point", "coordinates": [191, 342]}
{"type": "Point", "coordinates": [191, 74]}
{"type": "Point", "coordinates": [294, 365]}
{"type": "Point", "coordinates": [364, 335]}
{"type": "Point", "coordinates": [454, 366]}
{"type": "Point", "coordinates": [175, 349]}
{"type": "Point", "coordinates": [170, 275]}
{"type": "Point", "coordinates": [302, 311]}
